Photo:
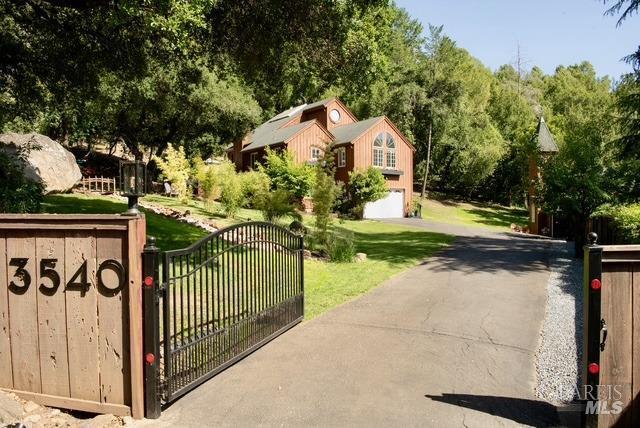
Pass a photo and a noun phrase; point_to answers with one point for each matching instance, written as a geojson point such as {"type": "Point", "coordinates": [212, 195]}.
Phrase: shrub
{"type": "Point", "coordinates": [255, 184]}
{"type": "Point", "coordinates": [340, 246]}
{"type": "Point", "coordinates": [287, 175]}
{"type": "Point", "coordinates": [325, 192]}
{"type": "Point", "coordinates": [18, 194]}
{"type": "Point", "coordinates": [229, 184]}
{"type": "Point", "coordinates": [365, 186]}
{"type": "Point", "coordinates": [626, 219]}
{"type": "Point", "coordinates": [207, 179]}
{"type": "Point", "coordinates": [221, 182]}
{"type": "Point", "coordinates": [176, 169]}
{"type": "Point", "coordinates": [278, 204]}
{"type": "Point", "coordinates": [298, 228]}
{"type": "Point", "coordinates": [416, 207]}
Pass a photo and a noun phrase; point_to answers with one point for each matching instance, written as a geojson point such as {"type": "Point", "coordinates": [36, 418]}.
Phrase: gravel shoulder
{"type": "Point", "coordinates": [560, 351]}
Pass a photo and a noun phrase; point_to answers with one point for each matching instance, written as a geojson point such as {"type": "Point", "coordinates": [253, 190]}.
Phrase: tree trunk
{"type": "Point", "coordinates": [426, 170]}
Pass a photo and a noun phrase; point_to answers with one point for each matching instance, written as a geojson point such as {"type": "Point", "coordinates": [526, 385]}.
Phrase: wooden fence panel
{"type": "Point", "coordinates": [612, 356]}
{"type": "Point", "coordinates": [6, 370]}
{"type": "Point", "coordinates": [82, 322]}
{"type": "Point", "coordinates": [70, 311]}
{"type": "Point", "coordinates": [52, 314]}
{"type": "Point", "coordinates": [635, 392]}
{"type": "Point", "coordinates": [114, 323]}
{"type": "Point", "coordinates": [615, 360]}
{"type": "Point", "coordinates": [23, 312]}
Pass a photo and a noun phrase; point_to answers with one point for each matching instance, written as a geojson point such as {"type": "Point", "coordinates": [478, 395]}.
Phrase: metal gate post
{"type": "Point", "coordinates": [301, 261]}
{"type": "Point", "coordinates": [592, 326]}
{"type": "Point", "coordinates": [151, 328]}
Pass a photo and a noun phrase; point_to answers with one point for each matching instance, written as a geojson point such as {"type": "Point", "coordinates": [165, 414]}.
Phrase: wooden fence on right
{"type": "Point", "coordinates": [608, 233]}
{"type": "Point", "coordinates": [611, 367]}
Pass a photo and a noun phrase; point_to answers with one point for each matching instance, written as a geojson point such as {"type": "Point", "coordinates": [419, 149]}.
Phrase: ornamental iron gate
{"type": "Point", "coordinates": [218, 300]}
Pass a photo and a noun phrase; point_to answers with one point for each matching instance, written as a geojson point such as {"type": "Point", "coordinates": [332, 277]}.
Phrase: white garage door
{"type": "Point", "coordinates": [391, 206]}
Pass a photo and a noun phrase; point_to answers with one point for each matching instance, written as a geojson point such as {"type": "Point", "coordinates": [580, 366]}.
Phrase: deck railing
{"type": "Point", "coordinates": [103, 185]}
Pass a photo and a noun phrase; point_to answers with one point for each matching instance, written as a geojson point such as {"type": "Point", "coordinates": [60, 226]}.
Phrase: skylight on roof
{"type": "Point", "coordinates": [288, 113]}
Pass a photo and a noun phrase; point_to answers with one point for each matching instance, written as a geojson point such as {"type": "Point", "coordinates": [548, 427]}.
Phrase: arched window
{"type": "Point", "coordinates": [391, 152]}
{"type": "Point", "coordinates": [378, 150]}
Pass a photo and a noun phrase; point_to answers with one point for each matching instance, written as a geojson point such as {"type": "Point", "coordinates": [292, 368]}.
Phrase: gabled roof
{"type": "Point", "coordinates": [348, 133]}
{"type": "Point", "coordinates": [270, 133]}
{"type": "Point", "coordinates": [276, 131]}
{"type": "Point", "coordinates": [544, 139]}
{"type": "Point", "coordinates": [321, 103]}
{"type": "Point", "coordinates": [291, 112]}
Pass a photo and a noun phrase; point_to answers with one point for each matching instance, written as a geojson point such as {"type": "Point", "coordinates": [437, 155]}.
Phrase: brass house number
{"type": "Point", "coordinates": [78, 282]}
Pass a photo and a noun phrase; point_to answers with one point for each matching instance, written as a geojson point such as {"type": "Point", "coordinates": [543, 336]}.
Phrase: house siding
{"type": "Point", "coordinates": [236, 155]}
{"type": "Point", "coordinates": [342, 172]}
{"type": "Point", "coordinates": [363, 158]}
{"type": "Point", "coordinates": [301, 143]}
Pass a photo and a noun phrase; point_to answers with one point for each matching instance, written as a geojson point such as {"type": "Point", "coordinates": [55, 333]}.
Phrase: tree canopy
{"type": "Point", "coordinates": [200, 74]}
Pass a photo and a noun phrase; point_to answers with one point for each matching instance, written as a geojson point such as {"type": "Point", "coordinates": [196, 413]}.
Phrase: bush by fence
{"type": "Point", "coordinates": [617, 224]}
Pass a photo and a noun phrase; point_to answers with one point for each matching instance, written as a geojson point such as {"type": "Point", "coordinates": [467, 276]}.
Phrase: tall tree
{"type": "Point", "coordinates": [628, 114]}
{"type": "Point", "coordinates": [185, 104]}
{"type": "Point", "coordinates": [469, 147]}
{"type": "Point", "coordinates": [579, 178]}
{"type": "Point", "coordinates": [53, 53]}
{"type": "Point", "coordinates": [515, 119]}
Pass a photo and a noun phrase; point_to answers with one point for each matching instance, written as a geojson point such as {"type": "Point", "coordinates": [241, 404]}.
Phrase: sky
{"type": "Point", "coordinates": [550, 33]}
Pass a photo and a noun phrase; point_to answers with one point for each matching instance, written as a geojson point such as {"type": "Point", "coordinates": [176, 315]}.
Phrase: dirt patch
{"type": "Point", "coordinates": [16, 412]}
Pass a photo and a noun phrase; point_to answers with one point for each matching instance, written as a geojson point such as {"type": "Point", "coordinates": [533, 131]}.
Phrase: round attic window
{"type": "Point", "coordinates": [334, 115]}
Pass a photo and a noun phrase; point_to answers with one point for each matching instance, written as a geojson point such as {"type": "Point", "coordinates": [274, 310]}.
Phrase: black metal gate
{"type": "Point", "coordinates": [222, 298]}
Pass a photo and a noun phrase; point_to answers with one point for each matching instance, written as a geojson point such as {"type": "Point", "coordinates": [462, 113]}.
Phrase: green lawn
{"type": "Point", "coordinates": [170, 234]}
{"type": "Point", "coordinates": [390, 249]}
{"type": "Point", "coordinates": [198, 209]}
{"type": "Point", "coordinates": [473, 214]}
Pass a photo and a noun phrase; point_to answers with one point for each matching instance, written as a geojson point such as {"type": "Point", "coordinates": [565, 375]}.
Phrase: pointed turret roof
{"type": "Point", "coordinates": [545, 141]}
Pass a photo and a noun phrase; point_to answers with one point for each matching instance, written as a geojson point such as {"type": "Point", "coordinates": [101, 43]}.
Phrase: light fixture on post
{"type": "Point", "coordinates": [133, 180]}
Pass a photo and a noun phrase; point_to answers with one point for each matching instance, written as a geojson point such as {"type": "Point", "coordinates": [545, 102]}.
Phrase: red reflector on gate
{"type": "Point", "coordinates": [148, 281]}
{"type": "Point", "coordinates": [596, 284]}
{"type": "Point", "coordinates": [594, 368]}
{"type": "Point", "coordinates": [150, 358]}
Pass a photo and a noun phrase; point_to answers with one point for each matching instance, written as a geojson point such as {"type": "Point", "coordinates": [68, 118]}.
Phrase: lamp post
{"type": "Point", "coordinates": [133, 179]}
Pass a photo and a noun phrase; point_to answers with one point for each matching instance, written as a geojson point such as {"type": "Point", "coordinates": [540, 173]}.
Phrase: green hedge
{"type": "Point", "coordinates": [626, 220]}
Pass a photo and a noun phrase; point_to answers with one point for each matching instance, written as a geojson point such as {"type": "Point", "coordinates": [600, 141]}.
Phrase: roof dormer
{"type": "Point", "coordinates": [329, 113]}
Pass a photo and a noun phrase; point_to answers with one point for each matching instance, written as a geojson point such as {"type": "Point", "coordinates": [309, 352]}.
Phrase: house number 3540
{"type": "Point", "coordinates": [51, 278]}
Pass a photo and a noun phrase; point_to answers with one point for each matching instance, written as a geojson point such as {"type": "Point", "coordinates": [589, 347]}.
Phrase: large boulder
{"type": "Point", "coordinates": [47, 162]}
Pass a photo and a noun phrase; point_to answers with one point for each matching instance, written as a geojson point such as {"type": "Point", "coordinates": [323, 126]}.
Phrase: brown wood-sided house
{"type": "Point", "coordinates": [540, 223]}
{"type": "Point", "coordinates": [309, 129]}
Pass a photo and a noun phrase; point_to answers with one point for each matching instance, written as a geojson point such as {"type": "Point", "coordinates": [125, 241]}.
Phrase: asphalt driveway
{"type": "Point", "coordinates": [448, 343]}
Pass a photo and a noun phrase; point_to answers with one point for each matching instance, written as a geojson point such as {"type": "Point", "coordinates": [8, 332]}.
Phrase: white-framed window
{"type": "Point", "coordinates": [391, 152]}
{"type": "Point", "coordinates": [342, 157]}
{"type": "Point", "coordinates": [315, 154]}
{"type": "Point", "coordinates": [378, 150]}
